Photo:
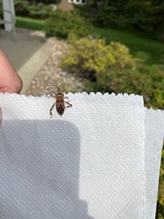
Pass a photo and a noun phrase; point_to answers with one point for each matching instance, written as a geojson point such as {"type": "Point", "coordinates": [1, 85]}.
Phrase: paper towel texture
{"type": "Point", "coordinates": [154, 125]}
{"type": "Point", "coordinates": [100, 160]}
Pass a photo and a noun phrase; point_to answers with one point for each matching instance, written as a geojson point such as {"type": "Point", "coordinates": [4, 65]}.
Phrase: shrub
{"type": "Point", "coordinates": [40, 11]}
{"type": "Point", "coordinates": [32, 9]}
{"type": "Point", "coordinates": [88, 56]}
{"type": "Point", "coordinates": [161, 190]}
{"type": "Point", "coordinates": [22, 8]}
{"type": "Point", "coordinates": [110, 17]}
{"type": "Point", "coordinates": [62, 23]}
{"type": "Point", "coordinates": [144, 80]}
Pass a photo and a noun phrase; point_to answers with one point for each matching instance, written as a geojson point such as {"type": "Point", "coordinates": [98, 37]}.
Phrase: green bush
{"type": "Point", "coordinates": [40, 11]}
{"type": "Point", "coordinates": [62, 23]}
{"type": "Point", "coordinates": [109, 17]}
{"type": "Point", "coordinates": [161, 190]}
{"type": "Point", "coordinates": [144, 80]}
{"type": "Point", "coordinates": [88, 56]}
{"type": "Point", "coordinates": [33, 10]}
{"type": "Point", "coordinates": [22, 8]}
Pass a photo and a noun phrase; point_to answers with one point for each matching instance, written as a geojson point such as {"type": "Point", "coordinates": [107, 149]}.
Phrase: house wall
{"type": "Point", "coordinates": [65, 5]}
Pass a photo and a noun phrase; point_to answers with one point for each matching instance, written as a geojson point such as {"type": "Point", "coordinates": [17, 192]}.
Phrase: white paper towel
{"type": "Point", "coordinates": [100, 160]}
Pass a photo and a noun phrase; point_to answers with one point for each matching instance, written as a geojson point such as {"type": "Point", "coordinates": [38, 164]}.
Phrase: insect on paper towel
{"type": "Point", "coordinates": [94, 162]}
{"type": "Point", "coordinates": [60, 102]}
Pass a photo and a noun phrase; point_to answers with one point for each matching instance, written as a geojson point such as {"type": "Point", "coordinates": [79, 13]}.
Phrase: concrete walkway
{"type": "Point", "coordinates": [27, 55]}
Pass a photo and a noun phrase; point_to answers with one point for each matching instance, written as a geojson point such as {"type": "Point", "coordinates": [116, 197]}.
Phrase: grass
{"type": "Point", "coordinates": [30, 23]}
{"type": "Point", "coordinates": [143, 49]}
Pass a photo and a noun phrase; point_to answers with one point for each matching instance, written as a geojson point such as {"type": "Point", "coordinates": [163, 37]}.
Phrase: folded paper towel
{"type": "Point", "coordinates": [100, 160]}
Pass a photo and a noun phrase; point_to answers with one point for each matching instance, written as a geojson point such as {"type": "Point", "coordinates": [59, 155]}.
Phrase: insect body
{"type": "Point", "coordinates": [60, 103]}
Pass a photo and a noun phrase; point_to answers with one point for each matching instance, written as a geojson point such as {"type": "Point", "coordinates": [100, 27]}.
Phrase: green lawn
{"type": "Point", "coordinates": [30, 23]}
{"type": "Point", "coordinates": [144, 50]}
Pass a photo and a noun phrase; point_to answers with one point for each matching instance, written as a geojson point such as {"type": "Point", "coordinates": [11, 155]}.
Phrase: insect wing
{"type": "Point", "coordinates": [60, 108]}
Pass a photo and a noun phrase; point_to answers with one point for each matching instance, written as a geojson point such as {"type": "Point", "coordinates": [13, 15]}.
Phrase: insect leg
{"type": "Point", "coordinates": [51, 110]}
{"type": "Point", "coordinates": [51, 95]}
{"type": "Point", "coordinates": [68, 104]}
{"type": "Point", "coordinates": [67, 98]}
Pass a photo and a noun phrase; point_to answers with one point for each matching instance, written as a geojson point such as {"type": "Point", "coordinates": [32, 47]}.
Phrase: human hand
{"type": "Point", "coordinates": [10, 81]}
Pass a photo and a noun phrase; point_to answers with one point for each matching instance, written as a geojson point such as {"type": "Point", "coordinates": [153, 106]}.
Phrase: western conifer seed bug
{"type": "Point", "coordinates": [60, 102]}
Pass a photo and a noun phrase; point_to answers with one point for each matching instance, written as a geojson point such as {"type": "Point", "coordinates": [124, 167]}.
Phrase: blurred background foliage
{"type": "Point", "coordinates": [136, 15]}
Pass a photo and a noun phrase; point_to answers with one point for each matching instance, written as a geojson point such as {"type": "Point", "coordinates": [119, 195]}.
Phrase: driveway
{"type": "Point", "coordinates": [28, 54]}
